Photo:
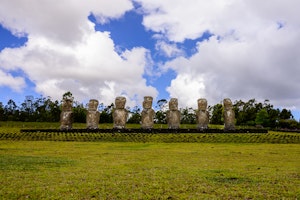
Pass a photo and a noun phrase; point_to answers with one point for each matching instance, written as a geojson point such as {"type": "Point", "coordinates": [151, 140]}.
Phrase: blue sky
{"type": "Point", "coordinates": [184, 49]}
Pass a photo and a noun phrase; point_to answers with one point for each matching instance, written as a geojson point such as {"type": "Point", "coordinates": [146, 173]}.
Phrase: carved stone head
{"type": "Point", "coordinates": [67, 105]}
{"type": "Point", "coordinates": [202, 104]}
{"type": "Point", "coordinates": [93, 104]}
{"type": "Point", "coordinates": [147, 103]}
{"type": "Point", "coordinates": [173, 104]}
{"type": "Point", "coordinates": [120, 102]}
{"type": "Point", "coordinates": [227, 103]}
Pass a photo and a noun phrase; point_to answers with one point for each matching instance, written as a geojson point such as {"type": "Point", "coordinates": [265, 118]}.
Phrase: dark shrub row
{"type": "Point", "coordinates": [280, 138]}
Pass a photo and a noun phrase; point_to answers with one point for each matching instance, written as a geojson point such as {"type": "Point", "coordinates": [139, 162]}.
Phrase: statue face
{"type": "Point", "coordinates": [120, 102]}
{"type": "Point", "coordinates": [173, 104]}
{"type": "Point", "coordinates": [93, 104]}
{"type": "Point", "coordinates": [227, 103]}
{"type": "Point", "coordinates": [202, 104]}
{"type": "Point", "coordinates": [147, 103]}
{"type": "Point", "coordinates": [67, 105]}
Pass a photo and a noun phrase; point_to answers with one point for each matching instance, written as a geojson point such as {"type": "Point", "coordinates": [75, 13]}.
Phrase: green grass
{"type": "Point", "coordinates": [106, 170]}
{"type": "Point", "coordinates": [56, 125]}
{"type": "Point", "coordinates": [11, 131]}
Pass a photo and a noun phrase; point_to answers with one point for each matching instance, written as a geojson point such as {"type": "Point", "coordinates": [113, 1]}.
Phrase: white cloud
{"type": "Point", "coordinates": [253, 53]}
{"type": "Point", "coordinates": [187, 89]}
{"type": "Point", "coordinates": [168, 49]}
{"type": "Point", "coordinates": [16, 83]}
{"type": "Point", "coordinates": [63, 21]}
{"type": "Point", "coordinates": [65, 53]}
{"type": "Point", "coordinates": [179, 20]}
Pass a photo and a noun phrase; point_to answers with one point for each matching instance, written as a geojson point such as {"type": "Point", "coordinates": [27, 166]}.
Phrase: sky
{"type": "Point", "coordinates": [185, 49]}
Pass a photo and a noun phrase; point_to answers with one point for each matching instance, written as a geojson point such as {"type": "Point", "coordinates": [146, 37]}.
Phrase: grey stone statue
{"type": "Point", "coordinates": [66, 116]}
{"type": "Point", "coordinates": [120, 114]}
{"type": "Point", "coordinates": [202, 115]}
{"type": "Point", "coordinates": [173, 114]}
{"type": "Point", "coordinates": [92, 116]}
{"type": "Point", "coordinates": [147, 115]}
{"type": "Point", "coordinates": [229, 116]}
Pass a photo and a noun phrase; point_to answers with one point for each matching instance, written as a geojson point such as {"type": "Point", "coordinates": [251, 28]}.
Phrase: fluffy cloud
{"type": "Point", "coordinates": [167, 49]}
{"type": "Point", "coordinates": [252, 53]}
{"type": "Point", "coordinates": [16, 83]}
{"type": "Point", "coordinates": [65, 53]}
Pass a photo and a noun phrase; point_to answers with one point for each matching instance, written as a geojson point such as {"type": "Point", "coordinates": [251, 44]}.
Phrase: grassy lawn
{"type": "Point", "coordinates": [56, 125]}
{"type": "Point", "coordinates": [115, 170]}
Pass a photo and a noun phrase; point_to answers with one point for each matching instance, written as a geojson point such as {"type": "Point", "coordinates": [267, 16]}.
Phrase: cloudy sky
{"type": "Point", "coordinates": [187, 49]}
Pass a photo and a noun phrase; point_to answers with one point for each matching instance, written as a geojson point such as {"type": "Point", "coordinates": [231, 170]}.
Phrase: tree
{"type": "Point", "coordinates": [285, 114]}
{"type": "Point", "coordinates": [188, 116]}
{"type": "Point", "coordinates": [160, 117]}
{"type": "Point", "coordinates": [1, 112]}
{"type": "Point", "coordinates": [54, 110]}
{"type": "Point", "coordinates": [162, 103]}
{"type": "Point", "coordinates": [11, 111]}
{"type": "Point", "coordinates": [68, 95]}
{"type": "Point", "coordinates": [273, 117]}
{"type": "Point", "coordinates": [245, 112]}
{"type": "Point", "coordinates": [216, 114]}
{"type": "Point", "coordinates": [288, 124]}
{"type": "Point", "coordinates": [135, 116]}
{"type": "Point", "coordinates": [106, 114]}
{"type": "Point", "coordinates": [79, 113]}
{"type": "Point", "coordinates": [262, 118]}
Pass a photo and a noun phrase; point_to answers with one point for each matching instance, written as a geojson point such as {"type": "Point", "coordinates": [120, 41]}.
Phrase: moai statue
{"type": "Point", "coordinates": [148, 113]}
{"type": "Point", "coordinates": [93, 116]}
{"type": "Point", "coordinates": [66, 116]}
{"type": "Point", "coordinates": [202, 115]}
{"type": "Point", "coordinates": [173, 114]}
{"type": "Point", "coordinates": [120, 114]}
{"type": "Point", "coordinates": [229, 116]}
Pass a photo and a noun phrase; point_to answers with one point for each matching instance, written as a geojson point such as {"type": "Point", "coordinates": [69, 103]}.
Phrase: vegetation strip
{"type": "Point", "coordinates": [272, 137]}
{"type": "Point", "coordinates": [156, 131]}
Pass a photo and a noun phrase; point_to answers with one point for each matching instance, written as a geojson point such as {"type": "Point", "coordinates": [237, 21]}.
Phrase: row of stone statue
{"type": "Point", "coordinates": [120, 114]}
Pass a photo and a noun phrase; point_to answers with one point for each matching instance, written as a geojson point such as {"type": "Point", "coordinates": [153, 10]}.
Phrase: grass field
{"type": "Point", "coordinates": [56, 125]}
{"type": "Point", "coordinates": [147, 166]}
{"type": "Point", "coordinates": [106, 170]}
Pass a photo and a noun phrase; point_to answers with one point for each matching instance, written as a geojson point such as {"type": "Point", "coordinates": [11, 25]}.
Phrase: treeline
{"type": "Point", "coordinates": [253, 113]}
{"type": "Point", "coordinates": [250, 113]}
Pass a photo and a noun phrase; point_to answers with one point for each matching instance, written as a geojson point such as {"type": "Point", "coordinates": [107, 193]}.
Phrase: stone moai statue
{"type": "Point", "coordinates": [229, 116]}
{"type": "Point", "coordinates": [147, 115]}
{"type": "Point", "coordinates": [173, 114]}
{"type": "Point", "coordinates": [120, 114]}
{"type": "Point", "coordinates": [202, 115]}
{"type": "Point", "coordinates": [93, 115]}
{"type": "Point", "coordinates": [66, 116]}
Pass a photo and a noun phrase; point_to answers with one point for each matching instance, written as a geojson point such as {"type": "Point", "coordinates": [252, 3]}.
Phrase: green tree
{"type": "Point", "coordinates": [188, 116]}
{"type": "Point", "coordinates": [11, 111]}
{"type": "Point", "coordinates": [245, 112]}
{"type": "Point", "coordinates": [262, 118]}
{"type": "Point", "coordinates": [68, 95]}
{"type": "Point", "coordinates": [288, 124]}
{"type": "Point", "coordinates": [285, 114]}
{"type": "Point", "coordinates": [1, 112]}
{"type": "Point", "coordinates": [160, 117]}
{"type": "Point", "coordinates": [216, 114]}
{"type": "Point", "coordinates": [162, 103]}
{"type": "Point", "coordinates": [135, 116]}
{"type": "Point", "coordinates": [79, 113]}
{"type": "Point", "coordinates": [106, 114]}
